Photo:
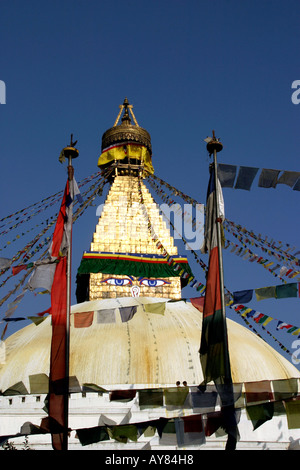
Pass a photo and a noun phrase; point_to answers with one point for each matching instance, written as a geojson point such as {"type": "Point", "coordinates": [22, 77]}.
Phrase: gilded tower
{"type": "Point", "coordinates": [131, 246]}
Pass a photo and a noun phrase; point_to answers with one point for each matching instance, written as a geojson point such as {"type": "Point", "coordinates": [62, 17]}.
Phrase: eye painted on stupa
{"type": "Point", "coordinates": [152, 282]}
{"type": "Point", "coordinates": [117, 282]}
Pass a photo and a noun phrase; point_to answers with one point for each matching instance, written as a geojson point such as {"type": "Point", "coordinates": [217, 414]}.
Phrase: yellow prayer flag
{"type": "Point", "coordinates": [158, 307]}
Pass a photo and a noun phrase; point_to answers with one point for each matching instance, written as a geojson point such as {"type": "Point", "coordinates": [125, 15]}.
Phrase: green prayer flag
{"type": "Point", "coordinates": [176, 396]}
{"type": "Point", "coordinates": [37, 320]}
{"type": "Point", "coordinates": [287, 290]}
{"type": "Point", "coordinates": [293, 414]}
{"type": "Point", "coordinates": [88, 436]}
{"type": "Point", "coordinates": [87, 387]}
{"type": "Point", "coordinates": [150, 398]}
{"type": "Point", "coordinates": [124, 432]}
{"type": "Point", "coordinates": [259, 414]}
{"type": "Point", "coordinates": [285, 388]}
{"type": "Point", "coordinates": [39, 383]}
{"type": "Point", "coordinates": [16, 389]}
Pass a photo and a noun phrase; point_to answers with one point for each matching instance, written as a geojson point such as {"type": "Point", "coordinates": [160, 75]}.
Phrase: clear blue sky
{"type": "Point", "coordinates": [187, 67]}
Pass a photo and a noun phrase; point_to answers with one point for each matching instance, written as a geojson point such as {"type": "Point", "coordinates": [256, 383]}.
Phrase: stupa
{"type": "Point", "coordinates": [134, 343]}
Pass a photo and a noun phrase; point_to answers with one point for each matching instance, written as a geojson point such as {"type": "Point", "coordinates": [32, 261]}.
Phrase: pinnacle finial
{"type": "Point", "coordinates": [126, 116]}
{"type": "Point", "coordinates": [213, 144]}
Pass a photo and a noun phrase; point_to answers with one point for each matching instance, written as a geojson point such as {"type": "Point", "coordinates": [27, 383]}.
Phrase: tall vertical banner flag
{"type": "Point", "coordinates": [58, 383]}
{"type": "Point", "coordinates": [213, 354]}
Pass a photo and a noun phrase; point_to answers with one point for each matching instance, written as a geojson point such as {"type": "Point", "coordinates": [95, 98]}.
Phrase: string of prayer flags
{"type": "Point", "coordinates": [283, 291]}
{"type": "Point", "coordinates": [249, 255]}
{"type": "Point", "coordinates": [276, 248]}
{"type": "Point", "coordinates": [268, 178]}
{"type": "Point", "coordinates": [243, 237]}
{"type": "Point", "coordinates": [13, 305]}
{"type": "Point", "coordinates": [263, 320]}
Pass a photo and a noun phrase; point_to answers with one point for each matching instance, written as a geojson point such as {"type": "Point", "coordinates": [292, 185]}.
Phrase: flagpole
{"type": "Point", "coordinates": [69, 152]}
{"type": "Point", "coordinates": [214, 146]}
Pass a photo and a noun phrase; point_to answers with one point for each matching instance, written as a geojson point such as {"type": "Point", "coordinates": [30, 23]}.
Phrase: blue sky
{"type": "Point", "coordinates": [188, 68]}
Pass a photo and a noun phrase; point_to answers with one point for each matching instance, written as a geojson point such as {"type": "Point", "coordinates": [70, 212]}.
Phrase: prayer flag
{"type": "Point", "coordinates": [88, 436]}
{"type": "Point", "coordinates": [157, 307]}
{"type": "Point", "coordinates": [259, 414]}
{"type": "Point", "coordinates": [106, 316]}
{"type": "Point", "coordinates": [245, 177]}
{"type": "Point", "coordinates": [186, 438]}
{"type": "Point", "coordinates": [198, 303]}
{"type": "Point", "coordinates": [287, 290]}
{"type": "Point", "coordinates": [77, 192]}
{"type": "Point", "coordinates": [297, 185]}
{"type": "Point", "coordinates": [242, 296]}
{"type": "Point", "coordinates": [5, 263]}
{"type": "Point", "coordinates": [289, 177]}
{"type": "Point", "coordinates": [83, 319]}
{"type": "Point", "coordinates": [282, 325]}
{"type": "Point", "coordinates": [175, 396]}
{"type": "Point", "coordinates": [293, 414]}
{"type": "Point", "coordinates": [42, 277]}
{"type": "Point", "coordinates": [58, 234]}
{"type": "Point", "coordinates": [39, 383]}
{"type": "Point", "coordinates": [268, 178]}
{"type": "Point", "coordinates": [265, 293]}
{"type": "Point", "coordinates": [17, 269]}
{"type": "Point", "coordinates": [258, 391]}
{"type": "Point", "coordinates": [226, 175]}
{"type": "Point", "coordinates": [127, 313]}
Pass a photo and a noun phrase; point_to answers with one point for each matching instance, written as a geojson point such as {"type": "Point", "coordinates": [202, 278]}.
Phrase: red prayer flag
{"type": "Point", "coordinates": [83, 319]}
{"type": "Point", "coordinates": [198, 303]}
{"type": "Point", "coordinates": [60, 223]}
{"type": "Point", "coordinates": [17, 269]}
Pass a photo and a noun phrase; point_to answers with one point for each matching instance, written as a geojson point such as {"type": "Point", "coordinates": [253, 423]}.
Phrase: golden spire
{"type": "Point", "coordinates": [126, 144]}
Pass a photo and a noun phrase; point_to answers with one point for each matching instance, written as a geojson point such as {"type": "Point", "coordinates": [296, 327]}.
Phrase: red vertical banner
{"type": "Point", "coordinates": [58, 383]}
{"type": "Point", "coordinates": [59, 380]}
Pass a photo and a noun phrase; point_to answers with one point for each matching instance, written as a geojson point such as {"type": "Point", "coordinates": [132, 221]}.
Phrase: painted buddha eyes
{"type": "Point", "coordinates": [152, 282]}
{"type": "Point", "coordinates": [142, 281]}
{"type": "Point", "coordinates": [117, 282]}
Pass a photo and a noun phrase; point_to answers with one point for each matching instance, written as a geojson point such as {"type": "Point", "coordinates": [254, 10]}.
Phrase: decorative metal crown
{"type": "Point", "coordinates": [126, 131]}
